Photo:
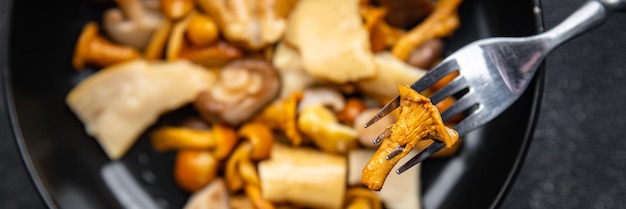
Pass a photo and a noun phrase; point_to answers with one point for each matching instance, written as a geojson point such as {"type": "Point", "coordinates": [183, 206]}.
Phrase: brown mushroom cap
{"type": "Point", "coordinates": [132, 23]}
{"type": "Point", "coordinates": [243, 88]}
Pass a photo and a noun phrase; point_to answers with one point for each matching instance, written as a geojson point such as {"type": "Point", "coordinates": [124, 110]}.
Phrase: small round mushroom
{"type": "Point", "coordinates": [202, 30]}
{"type": "Point", "coordinates": [194, 169]}
{"type": "Point", "coordinates": [132, 23]}
{"type": "Point", "coordinates": [176, 9]}
{"type": "Point", "coordinates": [243, 88]}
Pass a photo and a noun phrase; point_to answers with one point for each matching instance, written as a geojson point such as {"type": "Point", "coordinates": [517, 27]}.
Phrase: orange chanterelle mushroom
{"type": "Point", "coordinates": [419, 120]}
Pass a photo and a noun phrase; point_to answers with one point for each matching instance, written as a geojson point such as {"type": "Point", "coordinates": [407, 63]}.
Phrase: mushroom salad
{"type": "Point", "coordinates": [280, 90]}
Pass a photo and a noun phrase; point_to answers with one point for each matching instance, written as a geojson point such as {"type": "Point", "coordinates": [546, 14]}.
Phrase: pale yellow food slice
{"type": "Point", "coordinates": [331, 39]}
{"type": "Point", "coordinates": [304, 177]}
{"type": "Point", "coordinates": [118, 103]}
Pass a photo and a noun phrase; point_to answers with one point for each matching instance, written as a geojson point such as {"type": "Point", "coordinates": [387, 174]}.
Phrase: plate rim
{"type": "Point", "coordinates": [14, 131]}
{"type": "Point", "coordinates": [534, 115]}
{"type": "Point", "coordinates": [6, 11]}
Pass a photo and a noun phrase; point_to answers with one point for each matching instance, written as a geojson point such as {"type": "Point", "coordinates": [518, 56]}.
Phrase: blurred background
{"type": "Point", "coordinates": [577, 155]}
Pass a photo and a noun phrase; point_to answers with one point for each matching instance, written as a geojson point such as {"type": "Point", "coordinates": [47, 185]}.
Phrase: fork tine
{"type": "Point", "coordinates": [459, 106]}
{"type": "Point", "coordinates": [421, 156]}
{"type": "Point", "coordinates": [386, 133]}
{"type": "Point", "coordinates": [395, 152]}
{"type": "Point", "coordinates": [451, 88]}
{"type": "Point", "coordinates": [441, 70]}
{"type": "Point", "coordinates": [435, 74]}
{"type": "Point", "coordinates": [388, 108]}
{"type": "Point", "coordinates": [468, 123]}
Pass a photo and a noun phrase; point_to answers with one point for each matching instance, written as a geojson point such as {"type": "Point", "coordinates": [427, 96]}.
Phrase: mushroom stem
{"type": "Point", "coordinates": [221, 139]}
{"type": "Point", "coordinates": [91, 48]}
{"type": "Point", "coordinates": [133, 9]}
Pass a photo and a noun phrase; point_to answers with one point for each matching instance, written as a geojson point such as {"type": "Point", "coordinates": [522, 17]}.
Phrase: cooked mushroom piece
{"type": "Point", "coordinates": [194, 169]}
{"type": "Point", "coordinates": [251, 24]}
{"type": "Point", "coordinates": [333, 47]}
{"type": "Point", "coordinates": [213, 196]}
{"type": "Point", "coordinates": [304, 177]}
{"type": "Point", "coordinates": [244, 87]}
{"type": "Point", "coordinates": [325, 96]}
{"type": "Point", "coordinates": [132, 23]}
{"type": "Point", "coordinates": [119, 102]}
{"type": "Point", "coordinates": [92, 49]}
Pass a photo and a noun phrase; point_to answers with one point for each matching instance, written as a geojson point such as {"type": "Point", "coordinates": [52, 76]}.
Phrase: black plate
{"type": "Point", "coordinates": [72, 171]}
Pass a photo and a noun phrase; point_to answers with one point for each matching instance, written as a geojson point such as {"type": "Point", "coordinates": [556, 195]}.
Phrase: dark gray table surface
{"type": "Point", "coordinates": [578, 154]}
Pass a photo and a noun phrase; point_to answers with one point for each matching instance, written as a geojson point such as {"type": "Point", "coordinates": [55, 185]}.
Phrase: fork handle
{"type": "Point", "coordinates": [591, 14]}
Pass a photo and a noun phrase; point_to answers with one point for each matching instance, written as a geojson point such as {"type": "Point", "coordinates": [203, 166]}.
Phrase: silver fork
{"type": "Point", "coordinates": [493, 73]}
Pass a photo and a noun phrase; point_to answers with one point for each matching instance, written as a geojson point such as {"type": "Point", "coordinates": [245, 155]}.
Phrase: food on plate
{"type": "Point", "coordinates": [93, 49]}
{"type": "Point", "coordinates": [419, 120]}
{"type": "Point", "coordinates": [176, 9]}
{"type": "Point", "coordinates": [194, 169]}
{"type": "Point", "coordinates": [325, 96]}
{"type": "Point", "coordinates": [156, 45]}
{"type": "Point", "coordinates": [361, 198]}
{"type": "Point", "coordinates": [251, 24]}
{"type": "Point", "coordinates": [242, 89]}
{"type": "Point", "coordinates": [270, 96]}
{"type": "Point", "coordinates": [305, 177]}
{"type": "Point", "coordinates": [322, 126]}
{"type": "Point", "coordinates": [293, 77]}
{"type": "Point", "coordinates": [132, 22]}
{"type": "Point", "coordinates": [371, 132]}
{"type": "Point", "coordinates": [220, 139]}
{"type": "Point", "coordinates": [406, 13]}
{"type": "Point", "coordinates": [442, 22]}
{"type": "Point", "coordinates": [213, 196]}
{"type": "Point", "coordinates": [142, 91]}
{"type": "Point", "coordinates": [393, 72]}
{"type": "Point", "coordinates": [427, 54]}
{"type": "Point", "coordinates": [332, 47]}
{"type": "Point", "coordinates": [282, 115]}
{"type": "Point", "coordinates": [353, 108]}
{"type": "Point", "coordinates": [202, 30]}
{"type": "Point", "coordinates": [399, 190]}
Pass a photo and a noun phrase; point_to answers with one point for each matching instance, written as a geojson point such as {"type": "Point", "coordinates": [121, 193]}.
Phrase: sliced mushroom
{"type": "Point", "coordinates": [293, 77]}
{"type": "Point", "coordinates": [132, 23]}
{"type": "Point", "coordinates": [303, 176]}
{"type": "Point", "coordinates": [252, 24]}
{"type": "Point", "coordinates": [325, 96]}
{"type": "Point", "coordinates": [243, 88]}
{"type": "Point", "coordinates": [117, 103]}
{"type": "Point", "coordinates": [392, 71]}
{"type": "Point", "coordinates": [333, 47]}
{"type": "Point", "coordinates": [321, 125]}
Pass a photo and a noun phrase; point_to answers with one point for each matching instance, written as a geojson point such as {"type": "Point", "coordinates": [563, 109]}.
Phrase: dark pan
{"type": "Point", "coordinates": [72, 171]}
